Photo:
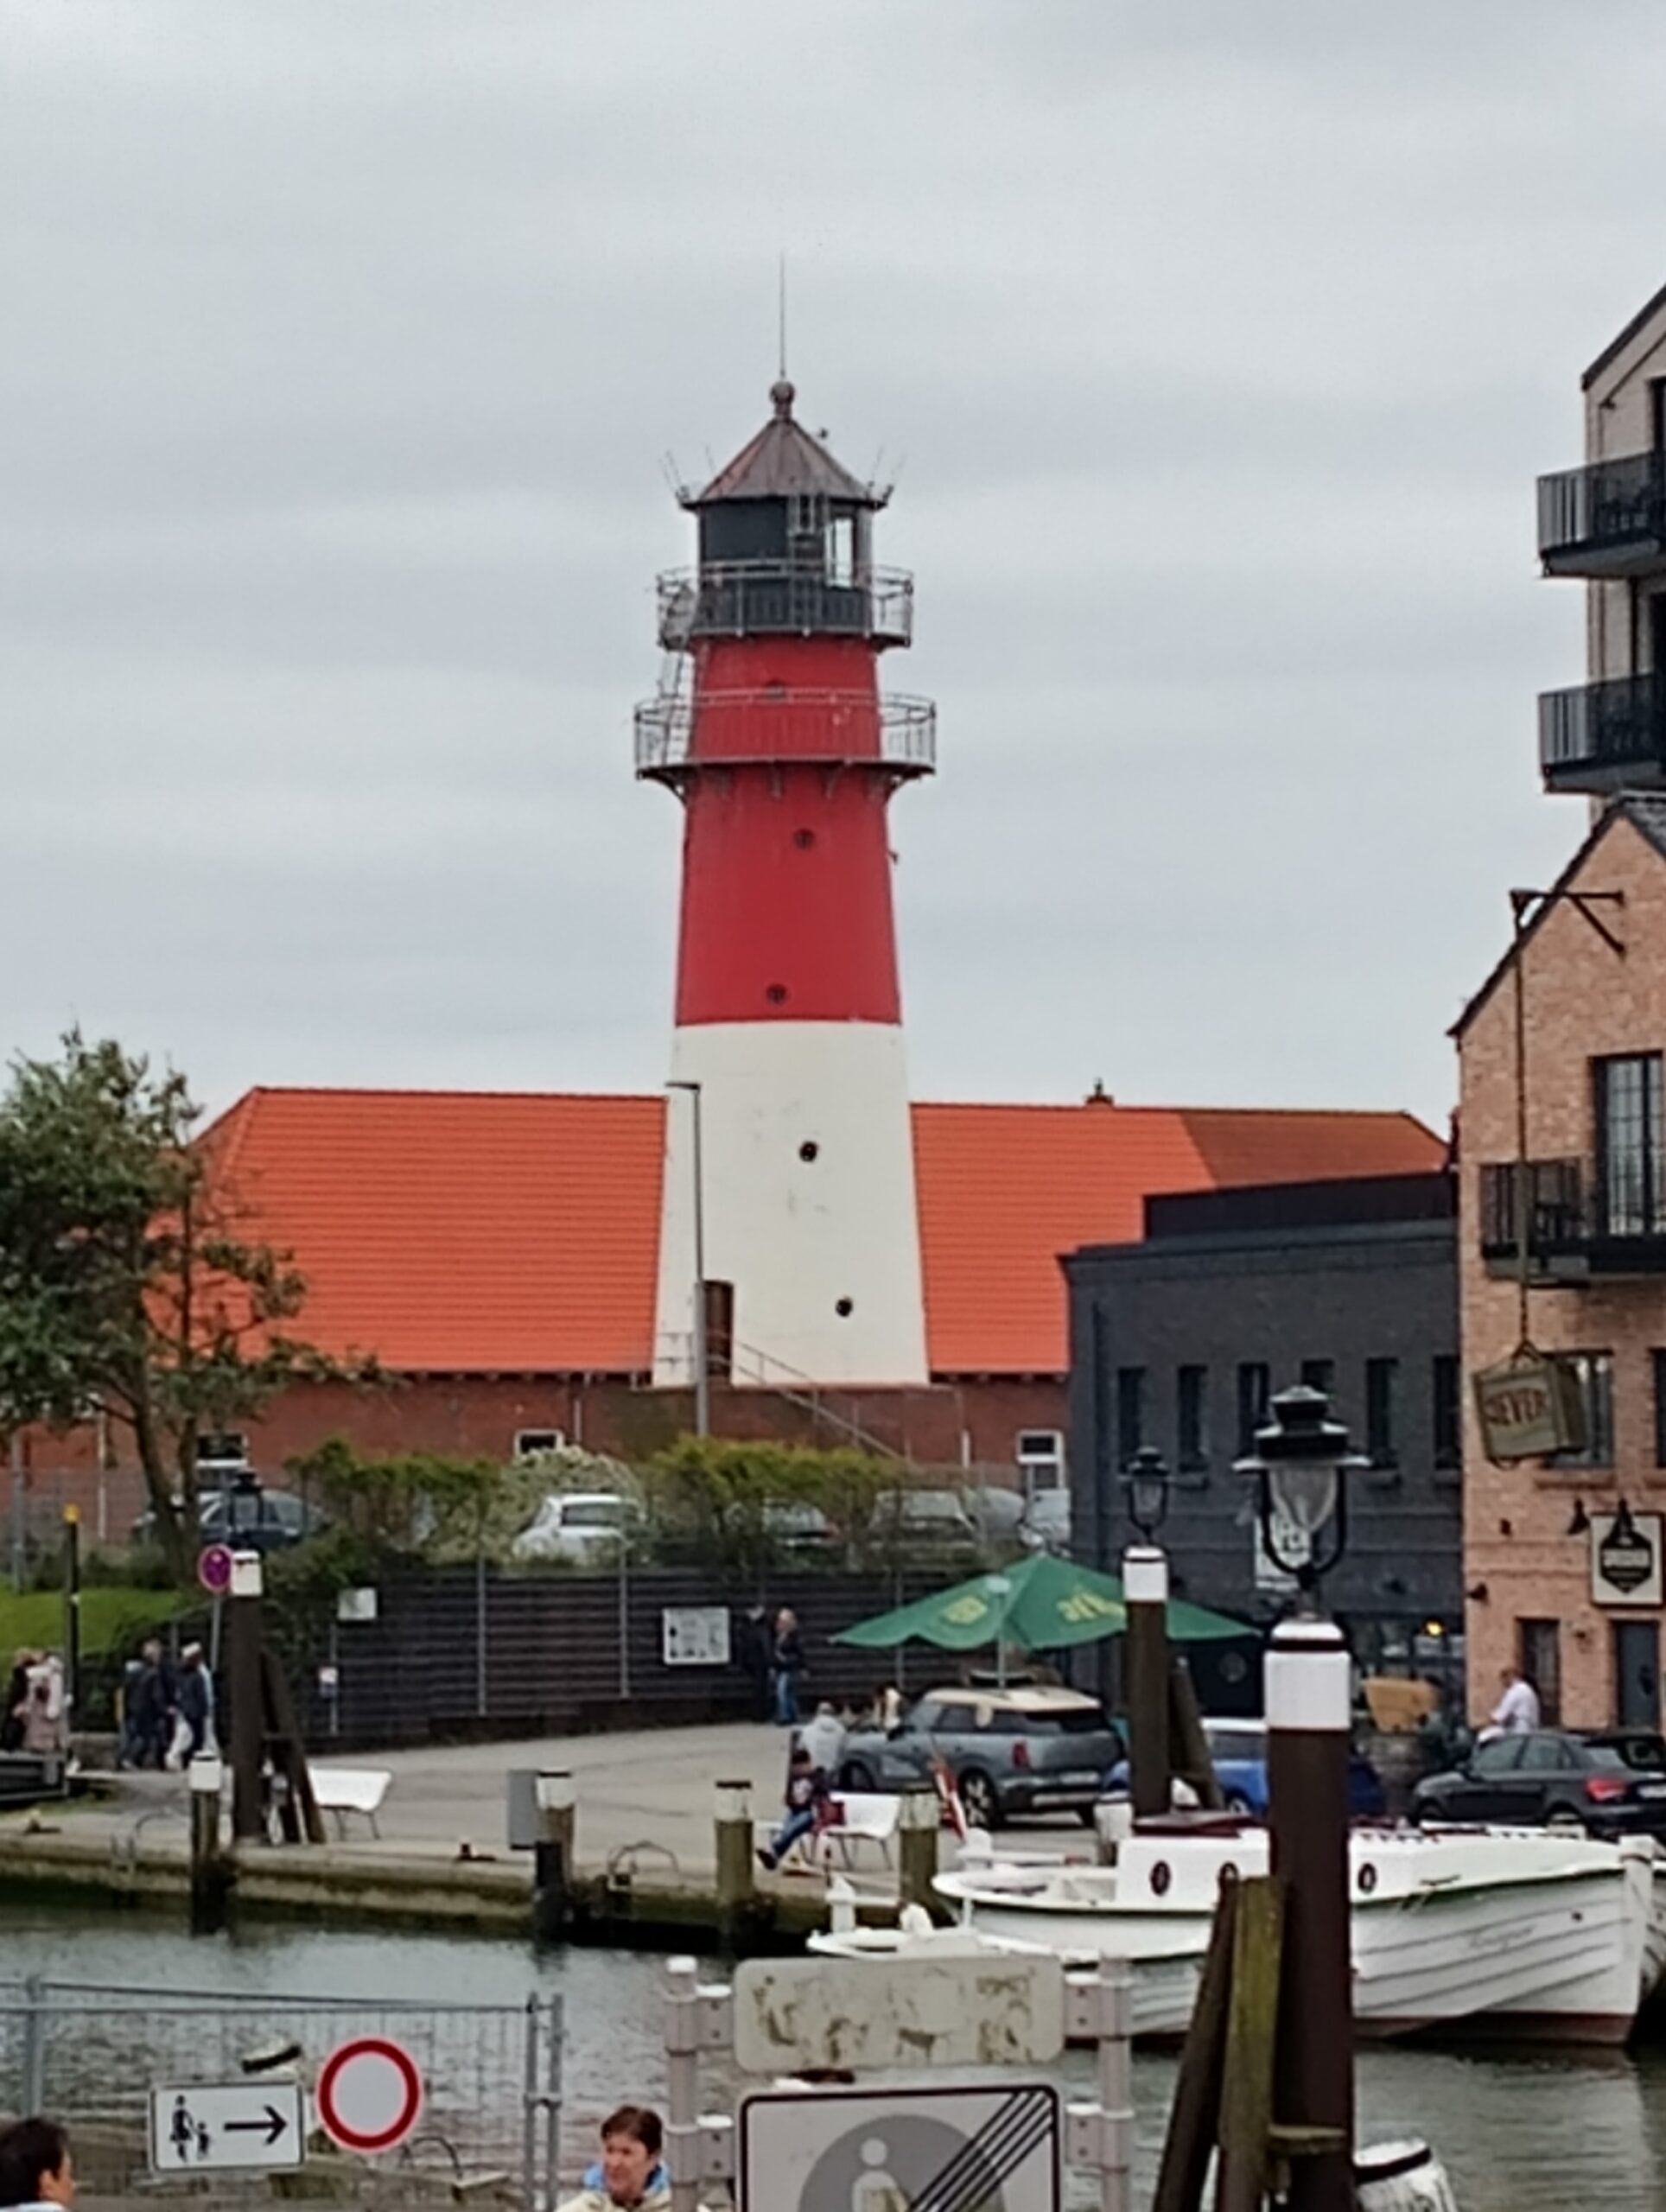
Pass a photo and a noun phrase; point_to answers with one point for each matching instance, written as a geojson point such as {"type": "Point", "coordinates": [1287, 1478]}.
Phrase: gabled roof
{"type": "Point", "coordinates": [456, 1232]}
{"type": "Point", "coordinates": [1646, 811]}
{"type": "Point", "coordinates": [784, 459]}
{"type": "Point", "coordinates": [1622, 338]}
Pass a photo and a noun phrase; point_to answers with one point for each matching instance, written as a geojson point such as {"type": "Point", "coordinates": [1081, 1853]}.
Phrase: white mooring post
{"type": "Point", "coordinates": [1100, 2136]}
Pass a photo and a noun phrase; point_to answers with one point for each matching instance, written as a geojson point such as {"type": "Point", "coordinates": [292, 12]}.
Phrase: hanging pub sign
{"type": "Point", "coordinates": [1625, 1561]}
{"type": "Point", "coordinates": [1528, 1407]}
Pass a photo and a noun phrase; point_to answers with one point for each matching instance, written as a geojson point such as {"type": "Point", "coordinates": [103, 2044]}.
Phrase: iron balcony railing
{"type": "Point", "coordinates": [820, 728]}
{"type": "Point", "coordinates": [1606, 518]}
{"type": "Point", "coordinates": [1600, 737]}
{"type": "Point", "coordinates": [1582, 1217]}
{"type": "Point", "coordinates": [740, 599]}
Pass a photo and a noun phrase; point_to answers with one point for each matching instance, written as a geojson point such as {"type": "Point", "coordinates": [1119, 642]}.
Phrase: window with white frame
{"type": "Point", "coordinates": [1041, 1456]}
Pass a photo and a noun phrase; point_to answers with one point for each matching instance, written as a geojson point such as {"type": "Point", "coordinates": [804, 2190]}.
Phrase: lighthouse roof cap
{"type": "Point", "coordinates": [784, 459]}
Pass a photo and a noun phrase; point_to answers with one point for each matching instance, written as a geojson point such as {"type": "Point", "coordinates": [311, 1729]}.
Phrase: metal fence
{"type": "Point", "coordinates": [490, 2128]}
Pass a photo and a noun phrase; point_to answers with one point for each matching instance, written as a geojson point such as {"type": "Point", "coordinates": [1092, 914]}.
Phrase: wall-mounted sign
{"type": "Point", "coordinates": [693, 1636]}
{"type": "Point", "coordinates": [1529, 1407]}
{"type": "Point", "coordinates": [1625, 1559]}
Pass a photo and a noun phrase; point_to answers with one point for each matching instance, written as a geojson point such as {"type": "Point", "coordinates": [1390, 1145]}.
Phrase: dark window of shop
{"type": "Point", "coordinates": [1320, 1375]}
{"type": "Point", "coordinates": [1448, 1436]}
{"type": "Point", "coordinates": [1383, 1412]}
{"type": "Point", "coordinates": [1538, 1653]}
{"type": "Point", "coordinates": [1130, 1412]}
{"type": "Point", "coordinates": [1192, 1419]}
{"type": "Point", "coordinates": [1255, 1389]}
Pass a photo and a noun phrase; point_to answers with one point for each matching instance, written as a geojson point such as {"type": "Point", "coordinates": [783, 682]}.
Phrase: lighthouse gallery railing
{"type": "Point", "coordinates": [775, 598]}
{"type": "Point", "coordinates": [821, 727]}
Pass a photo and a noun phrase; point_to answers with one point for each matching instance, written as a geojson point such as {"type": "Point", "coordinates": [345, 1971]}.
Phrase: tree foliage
{"type": "Point", "coordinates": [737, 1507]}
{"type": "Point", "coordinates": [129, 1281]}
{"type": "Point", "coordinates": [428, 1505]}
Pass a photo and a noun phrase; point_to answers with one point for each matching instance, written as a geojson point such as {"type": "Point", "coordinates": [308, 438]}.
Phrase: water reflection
{"type": "Point", "coordinates": [1520, 2131]}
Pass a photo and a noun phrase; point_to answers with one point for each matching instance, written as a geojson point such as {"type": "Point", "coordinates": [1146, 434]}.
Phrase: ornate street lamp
{"type": "Point", "coordinates": [1146, 1484]}
{"type": "Point", "coordinates": [243, 1498]}
{"type": "Point", "coordinates": [1301, 1466]}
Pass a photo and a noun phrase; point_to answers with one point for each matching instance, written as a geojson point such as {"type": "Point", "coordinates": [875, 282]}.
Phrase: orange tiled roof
{"type": "Point", "coordinates": [455, 1232]}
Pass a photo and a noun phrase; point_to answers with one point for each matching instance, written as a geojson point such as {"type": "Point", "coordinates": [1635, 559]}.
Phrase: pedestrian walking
{"type": "Point", "coordinates": [195, 1701]}
{"type": "Point", "coordinates": [758, 1659]}
{"type": "Point", "coordinates": [789, 1667]}
{"type": "Point", "coordinates": [16, 1701]}
{"type": "Point", "coordinates": [153, 1706]}
{"type": "Point", "coordinates": [1517, 1712]}
{"type": "Point", "coordinates": [43, 1707]}
{"type": "Point", "coordinates": [36, 2172]}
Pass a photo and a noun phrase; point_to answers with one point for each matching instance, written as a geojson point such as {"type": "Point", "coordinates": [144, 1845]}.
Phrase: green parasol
{"type": "Point", "coordinates": [1040, 1604]}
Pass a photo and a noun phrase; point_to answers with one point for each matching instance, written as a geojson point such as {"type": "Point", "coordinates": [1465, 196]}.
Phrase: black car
{"type": "Point", "coordinates": [1611, 1782]}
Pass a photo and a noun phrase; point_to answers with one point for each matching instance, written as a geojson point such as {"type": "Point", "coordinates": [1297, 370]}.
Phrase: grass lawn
{"type": "Point", "coordinates": [116, 1616]}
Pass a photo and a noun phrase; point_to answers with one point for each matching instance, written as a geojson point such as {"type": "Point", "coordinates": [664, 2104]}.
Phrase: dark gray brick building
{"type": "Point", "coordinates": [1181, 1340]}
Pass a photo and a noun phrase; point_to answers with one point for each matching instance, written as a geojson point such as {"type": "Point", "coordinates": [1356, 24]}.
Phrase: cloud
{"type": "Point", "coordinates": [1214, 350]}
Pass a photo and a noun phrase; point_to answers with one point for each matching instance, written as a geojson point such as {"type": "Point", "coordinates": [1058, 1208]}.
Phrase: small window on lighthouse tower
{"type": "Point", "coordinates": [845, 1308]}
{"type": "Point", "coordinates": [808, 1151]}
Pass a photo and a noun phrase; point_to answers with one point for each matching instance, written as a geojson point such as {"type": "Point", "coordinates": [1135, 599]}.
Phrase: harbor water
{"type": "Point", "coordinates": [1519, 2131]}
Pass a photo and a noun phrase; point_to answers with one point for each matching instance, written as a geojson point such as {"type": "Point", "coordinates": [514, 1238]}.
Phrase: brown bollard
{"type": "Point", "coordinates": [1308, 1684]}
{"type": "Point", "coordinates": [553, 1854]}
{"type": "Point", "coordinates": [1145, 1593]}
{"type": "Point", "coordinates": [208, 1867]}
{"type": "Point", "coordinates": [919, 1816]}
{"type": "Point", "coordinates": [737, 1880]}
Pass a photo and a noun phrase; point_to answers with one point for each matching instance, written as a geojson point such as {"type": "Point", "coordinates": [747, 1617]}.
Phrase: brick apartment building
{"type": "Point", "coordinates": [1548, 1586]}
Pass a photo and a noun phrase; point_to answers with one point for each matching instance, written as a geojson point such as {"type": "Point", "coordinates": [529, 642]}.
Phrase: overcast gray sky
{"type": "Point", "coordinates": [1218, 348]}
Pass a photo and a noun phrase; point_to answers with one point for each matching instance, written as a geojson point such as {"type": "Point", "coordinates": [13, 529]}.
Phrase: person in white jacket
{"type": "Point", "coordinates": [36, 2172]}
{"type": "Point", "coordinates": [629, 2177]}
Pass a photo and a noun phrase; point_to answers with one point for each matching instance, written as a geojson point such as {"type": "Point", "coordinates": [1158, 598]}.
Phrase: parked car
{"type": "Point", "coordinates": [1045, 1526]}
{"type": "Point", "coordinates": [585, 1527]}
{"type": "Point", "coordinates": [1611, 1782]}
{"type": "Point", "coordinates": [995, 1510]}
{"type": "Point", "coordinates": [933, 1521]}
{"type": "Point", "coordinates": [1238, 1751]}
{"type": "Point", "coordinates": [281, 1521]}
{"type": "Point", "coordinates": [1012, 1751]}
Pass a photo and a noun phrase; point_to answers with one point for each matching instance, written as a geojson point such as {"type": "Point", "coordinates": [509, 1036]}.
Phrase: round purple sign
{"type": "Point", "coordinates": [214, 1568]}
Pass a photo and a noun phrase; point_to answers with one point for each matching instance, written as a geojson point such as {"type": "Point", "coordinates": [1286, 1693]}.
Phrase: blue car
{"type": "Point", "coordinates": [1238, 1749]}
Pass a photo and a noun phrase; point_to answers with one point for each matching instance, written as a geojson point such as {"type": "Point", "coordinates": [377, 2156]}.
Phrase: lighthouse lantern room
{"type": "Point", "coordinates": [788, 1204]}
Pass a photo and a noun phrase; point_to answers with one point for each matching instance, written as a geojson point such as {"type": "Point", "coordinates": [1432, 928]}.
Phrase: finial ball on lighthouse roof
{"type": "Point", "coordinates": [782, 396]}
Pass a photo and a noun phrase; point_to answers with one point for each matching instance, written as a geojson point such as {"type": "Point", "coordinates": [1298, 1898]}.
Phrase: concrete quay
{"type": "Point", "coordinates": [644, 1851]}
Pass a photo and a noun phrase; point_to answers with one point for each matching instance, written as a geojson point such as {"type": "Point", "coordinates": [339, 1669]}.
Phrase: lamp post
{"type": "Point", "coordinates": [702, 1352]}
{"type": "Point", "coordinates": [1301, 1466]}
{"type": "Point", "coordinates": [1146, 1485]}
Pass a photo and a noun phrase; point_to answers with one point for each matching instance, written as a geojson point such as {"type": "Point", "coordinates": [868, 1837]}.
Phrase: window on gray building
{"type": "Point", "coordinates": [1594, 1372]}
{"type": "Point", "coordinates": [1448, 1436]}
{"type": "Point", "coordinates": [1255, 1390]}
{"type": "Point", "coordinates": [1383, 1412]}
{"type": "Point", "coordinates": [1320, 1375]}
{"type": "Point", "coordinates": [1192, 1419]}
{"type": "Point", "coordinates": [1130, 1412]}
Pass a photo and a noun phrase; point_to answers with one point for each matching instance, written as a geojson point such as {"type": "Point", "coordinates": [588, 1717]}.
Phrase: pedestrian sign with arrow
{"type": "Point", "coordinates": [197, 2127]}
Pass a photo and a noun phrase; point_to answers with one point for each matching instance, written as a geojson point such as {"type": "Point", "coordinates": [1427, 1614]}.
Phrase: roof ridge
{"type": "Point", "coordinates": [424, 1091]}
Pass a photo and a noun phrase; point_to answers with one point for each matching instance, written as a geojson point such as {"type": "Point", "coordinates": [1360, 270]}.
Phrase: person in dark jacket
{"type": "Point", "coordinates": [17, 1702]}
{"type": "Point", "coordinates": [195, 1701]}
{"type": "Point", "coordinates": [150, 1709]}
{"type": "Point", "coordinates": [789, 1667]}
{"type": "Point", "coordinates": [805, 1802]}
{"type": "Point", "coordinates": [758, 1659]}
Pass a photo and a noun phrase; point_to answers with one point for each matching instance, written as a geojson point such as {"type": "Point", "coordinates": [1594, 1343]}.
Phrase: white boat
{"type": "Point", "coordinates": [1524, 1933]}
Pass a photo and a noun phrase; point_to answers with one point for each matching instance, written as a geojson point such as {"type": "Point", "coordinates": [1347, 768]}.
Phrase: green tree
{"type": "Point", "coordinates": [728, 1505]}
{"type": "Point", "coordinates": [129, 1281]}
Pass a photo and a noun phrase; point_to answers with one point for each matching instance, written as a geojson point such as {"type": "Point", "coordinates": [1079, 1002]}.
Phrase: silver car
{"type": "Point", "coordinates": [1012, 1751]}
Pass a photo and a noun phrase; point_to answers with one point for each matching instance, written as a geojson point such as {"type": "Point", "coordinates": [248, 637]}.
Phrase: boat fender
{"type": "Point", "coordinates": [1401, 2178]}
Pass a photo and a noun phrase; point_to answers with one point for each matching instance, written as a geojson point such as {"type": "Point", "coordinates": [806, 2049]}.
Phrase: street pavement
{"type": "Point", "coordinates": [645, 1793]}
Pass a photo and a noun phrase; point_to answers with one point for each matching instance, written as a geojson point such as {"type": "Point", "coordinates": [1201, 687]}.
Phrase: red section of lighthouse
{"type": "Point", "coordinates": [789, 1041]}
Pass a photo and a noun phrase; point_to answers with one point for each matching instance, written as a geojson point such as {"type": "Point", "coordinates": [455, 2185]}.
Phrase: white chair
{"type": "Point", "coordinates": [859, 1817]}
{"type": "Point", "coordinates": [344, 1789]}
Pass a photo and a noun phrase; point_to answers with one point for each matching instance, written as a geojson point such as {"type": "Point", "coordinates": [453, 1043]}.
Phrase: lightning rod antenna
{"type": "Point", "coordinates": [780, 313]}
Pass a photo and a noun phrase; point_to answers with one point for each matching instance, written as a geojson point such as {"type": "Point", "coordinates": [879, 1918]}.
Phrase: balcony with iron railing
{"type": "Point", "coordinates": [1606, 520]}
{"type": "Point", "coordinates": [1605, 737]}
{"type": "Point", "coordinates": [746, 598]}
{"type": "Point", "coordinates": [894, 732]}
{"type": "Point", "coordinates": [1584, 1220]}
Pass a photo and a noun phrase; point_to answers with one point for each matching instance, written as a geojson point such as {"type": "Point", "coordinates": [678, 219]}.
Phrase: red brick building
{"type": "Point", "coordinates": [497, 1253]}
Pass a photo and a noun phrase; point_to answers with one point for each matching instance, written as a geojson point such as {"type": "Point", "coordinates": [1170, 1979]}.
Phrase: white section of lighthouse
{"type": "Point", "coordinates": [789, 1020]}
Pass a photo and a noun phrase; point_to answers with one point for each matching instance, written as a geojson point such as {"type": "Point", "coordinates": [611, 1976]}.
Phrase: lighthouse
{"type": "Point", "coordinates": [788, 1231]}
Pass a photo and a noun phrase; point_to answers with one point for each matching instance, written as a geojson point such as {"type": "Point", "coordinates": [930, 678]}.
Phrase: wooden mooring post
{"type": "Point", "coordinates": [919, 1816]}
{"type": "Point", "coordinates": [553, 1854]}
{"type": "Point", "coordinates": [737, 1880]}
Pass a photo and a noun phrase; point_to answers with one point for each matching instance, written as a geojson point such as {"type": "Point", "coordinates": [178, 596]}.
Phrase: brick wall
{"type": "Point", "coordinates": [1582, 1001]}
